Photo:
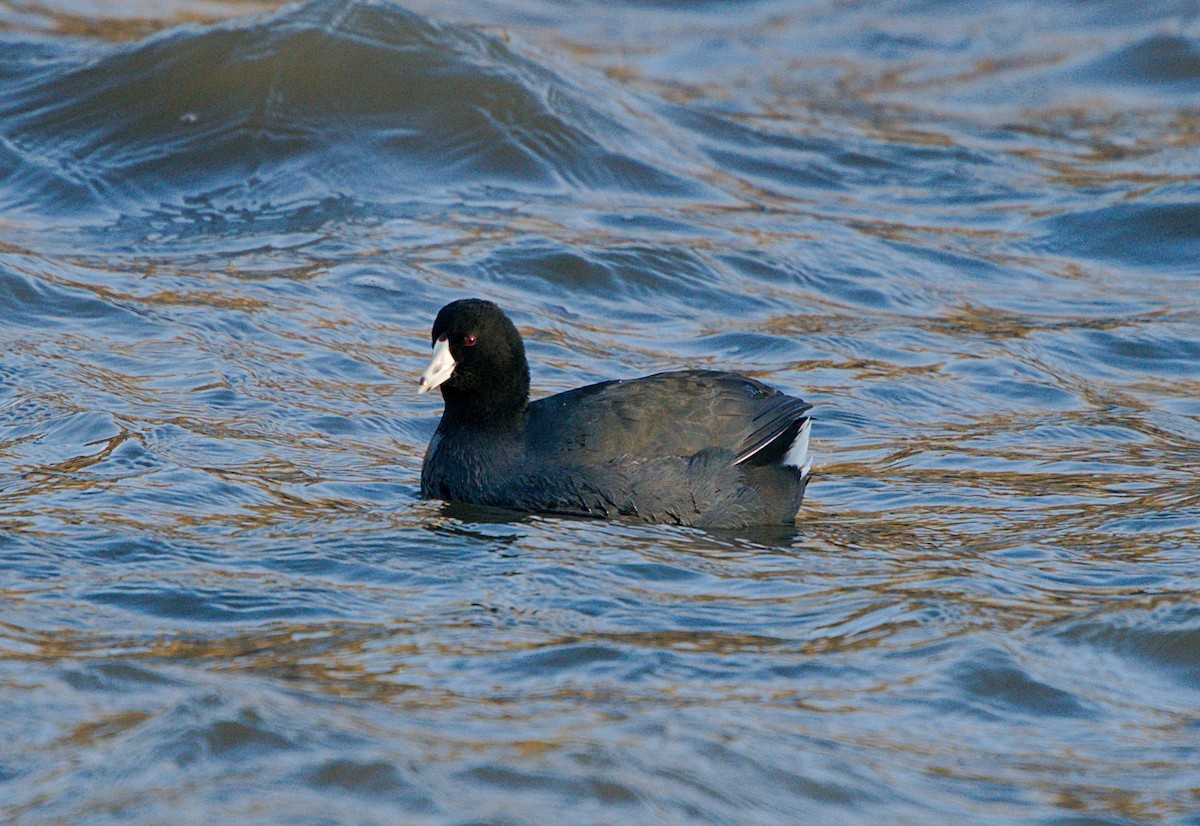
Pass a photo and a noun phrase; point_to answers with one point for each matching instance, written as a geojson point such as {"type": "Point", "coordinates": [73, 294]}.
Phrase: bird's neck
{"type": "Point", "coordinates": [492, 411]}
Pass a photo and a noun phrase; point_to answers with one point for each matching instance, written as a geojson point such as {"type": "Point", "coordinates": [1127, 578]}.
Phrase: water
{"type": "Point", "coordinates": [967, 232]}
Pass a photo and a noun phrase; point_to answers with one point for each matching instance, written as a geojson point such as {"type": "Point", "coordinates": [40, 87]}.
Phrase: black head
{"type": "Point", "coordinates": [488, 377]}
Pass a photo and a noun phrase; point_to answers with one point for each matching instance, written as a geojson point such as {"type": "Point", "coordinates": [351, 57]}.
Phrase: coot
{"type": "Point", "coordinates": [694, 447]}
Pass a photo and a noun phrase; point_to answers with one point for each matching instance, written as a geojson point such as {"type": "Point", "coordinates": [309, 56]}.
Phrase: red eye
{"type": "Point", "coordinates": [470, 341]}
{"type": "Point", "coordinates": [443, 337]}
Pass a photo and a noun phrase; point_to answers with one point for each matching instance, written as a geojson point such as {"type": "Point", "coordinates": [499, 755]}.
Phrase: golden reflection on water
{"type": "Point", "coordinates": [91, 732]}
{"type": "Point", "coordinates": [130, 20]}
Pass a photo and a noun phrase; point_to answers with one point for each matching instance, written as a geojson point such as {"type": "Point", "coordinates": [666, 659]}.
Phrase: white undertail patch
{"type": "Point", "coordinates": [797, 454]}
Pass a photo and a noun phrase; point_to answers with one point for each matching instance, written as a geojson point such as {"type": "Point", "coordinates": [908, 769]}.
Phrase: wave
{"type": "Point", "coordinates": [327, 100]}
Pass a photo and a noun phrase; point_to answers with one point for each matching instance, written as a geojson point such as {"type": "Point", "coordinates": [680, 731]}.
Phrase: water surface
{"type": "Point", "coordinates": [968, 233]}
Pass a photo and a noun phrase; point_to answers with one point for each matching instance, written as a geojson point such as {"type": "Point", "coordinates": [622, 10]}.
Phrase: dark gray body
{"type": "Point", "coordinates": [692, 448]}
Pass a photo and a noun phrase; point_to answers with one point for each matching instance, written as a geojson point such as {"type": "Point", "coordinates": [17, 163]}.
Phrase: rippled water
{"type": "Point", "coordinates": [968, 232]}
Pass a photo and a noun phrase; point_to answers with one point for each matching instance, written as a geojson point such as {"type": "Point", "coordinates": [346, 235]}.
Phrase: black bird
{"type": "Point", "coordinates": [695, 447]}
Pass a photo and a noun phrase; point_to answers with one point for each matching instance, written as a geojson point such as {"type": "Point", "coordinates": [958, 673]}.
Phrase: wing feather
{"type": "Point", "coordinates": [667, 414]}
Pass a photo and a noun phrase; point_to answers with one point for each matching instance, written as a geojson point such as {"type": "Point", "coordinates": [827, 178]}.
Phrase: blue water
{"type": "Point", "coordinates": [969, 233]}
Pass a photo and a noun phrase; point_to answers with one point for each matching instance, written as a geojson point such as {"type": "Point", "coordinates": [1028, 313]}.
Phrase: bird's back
{"type": "Point", "coordinates": [694, 447]}
{"type": "Point", "coordinates": [677, 414]}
